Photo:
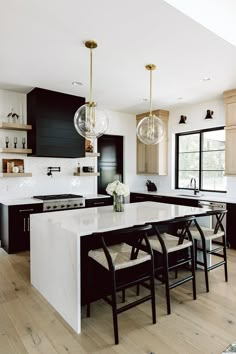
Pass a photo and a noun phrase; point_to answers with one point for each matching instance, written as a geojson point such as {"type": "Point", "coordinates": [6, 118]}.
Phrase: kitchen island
{"type": "Point", "coordinates": [56, 246]}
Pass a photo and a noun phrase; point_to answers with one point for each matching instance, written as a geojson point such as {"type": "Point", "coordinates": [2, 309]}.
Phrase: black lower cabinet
{"type": "Point", "coordinates": [231, 225]}
{"type": "Point", "coordinates": [97, 202]}
{"type": "Point", "coordinates": [15, 226]}
{"type": "Point", "coordinates": [142, 197]}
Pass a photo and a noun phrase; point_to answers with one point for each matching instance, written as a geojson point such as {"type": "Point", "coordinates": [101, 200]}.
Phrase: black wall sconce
{"type": "Point", "coordinates": [182, 119]}
{"type": "Point", "coordinates": [53, 169]}
{"type": "Point", "coordinates": [209, 114]}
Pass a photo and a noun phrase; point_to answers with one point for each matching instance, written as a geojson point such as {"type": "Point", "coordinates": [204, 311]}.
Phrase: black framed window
{"type": "Point", "coordinates": [201, 155]}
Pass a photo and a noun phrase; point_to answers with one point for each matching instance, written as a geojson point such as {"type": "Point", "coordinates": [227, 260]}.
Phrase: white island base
{"type": "Point", "coordinates": [55, 267]}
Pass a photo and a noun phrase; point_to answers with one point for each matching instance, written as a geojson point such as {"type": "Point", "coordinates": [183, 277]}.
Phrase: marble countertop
{"type": "Point", "coordinates": [24, 201]}
{"type": "Point", "coordinates": [29, 200]}
{"type": "Point", "coordinates": [87, 221]}
{"type": "Point", "coordinates": [96, 196]}
{"type": "Point", "coordinates": [224, 198]}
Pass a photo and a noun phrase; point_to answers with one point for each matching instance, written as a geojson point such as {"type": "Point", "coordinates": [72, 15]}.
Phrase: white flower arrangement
{"type": "Point", "coordinates": [117, 188]}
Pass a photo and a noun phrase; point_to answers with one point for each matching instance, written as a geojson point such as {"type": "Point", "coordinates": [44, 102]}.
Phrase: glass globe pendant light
{"type": "Point", "coordinates": [90, 121]}
{"type": "Point", "coordinates": [150, 129]}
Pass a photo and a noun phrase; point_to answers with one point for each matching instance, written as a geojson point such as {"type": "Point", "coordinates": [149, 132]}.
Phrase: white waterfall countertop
{"type": "Point", "coordinates": [55, 247]}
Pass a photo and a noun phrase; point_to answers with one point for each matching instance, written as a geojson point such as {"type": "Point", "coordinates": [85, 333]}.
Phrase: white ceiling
{"type": "Point", "coordinates": [216, 15]}
{"type": "Point", "coordinates": [41, 45]}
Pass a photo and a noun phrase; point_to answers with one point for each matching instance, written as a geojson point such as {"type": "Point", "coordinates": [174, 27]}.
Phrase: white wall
{"type": "Point", "coordinates": [119, 124]}
{"type": "Point", "coordinates": [195, 120]}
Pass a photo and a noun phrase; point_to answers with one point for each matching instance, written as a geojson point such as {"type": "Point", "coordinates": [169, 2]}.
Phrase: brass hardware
{"type": "Point", "coordinates": [150, 67]}
{"type": "Point", "coordinates": [91, 44]}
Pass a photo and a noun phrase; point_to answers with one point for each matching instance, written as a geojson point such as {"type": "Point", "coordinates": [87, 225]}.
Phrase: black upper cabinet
{"type": "Point", "coordinates": [51, 115]}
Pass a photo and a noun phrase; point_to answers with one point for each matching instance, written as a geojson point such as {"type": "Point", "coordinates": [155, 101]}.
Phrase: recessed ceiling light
{"type": "Point", "coordinates": [77, 83]}
{"type": "Point", "coordinates": [180, 98]}
{"type": "Point", "coordinates": [206, 79]}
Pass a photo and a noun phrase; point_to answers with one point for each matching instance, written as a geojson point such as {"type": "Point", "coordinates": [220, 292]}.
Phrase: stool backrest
{"type": "Point", "coordinates": [219, 214]}
{"type": "Point", "coordinates": [180, 224]}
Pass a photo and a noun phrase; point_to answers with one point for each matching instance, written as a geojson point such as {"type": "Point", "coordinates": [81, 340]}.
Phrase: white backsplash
{"type": "Point", "coordinates": [40, 183]}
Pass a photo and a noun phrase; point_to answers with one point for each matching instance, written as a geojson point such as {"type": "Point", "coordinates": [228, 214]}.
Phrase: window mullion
{"type": "Point", "coordinates": [200, 160]}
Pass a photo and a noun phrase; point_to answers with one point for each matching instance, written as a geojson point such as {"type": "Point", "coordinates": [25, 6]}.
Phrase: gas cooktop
{"type": "Point", "coordinates": [57, 196]}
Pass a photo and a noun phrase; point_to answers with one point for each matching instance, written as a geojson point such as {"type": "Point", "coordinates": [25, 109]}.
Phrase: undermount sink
{"type": "Point", "coordinates": [190, 195]}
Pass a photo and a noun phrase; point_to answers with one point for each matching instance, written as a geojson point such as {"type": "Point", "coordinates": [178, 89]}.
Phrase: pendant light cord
{"type": "Point", "coordinates": [150, 92]}
{"type": "Point", "coordinates": [91, 75]}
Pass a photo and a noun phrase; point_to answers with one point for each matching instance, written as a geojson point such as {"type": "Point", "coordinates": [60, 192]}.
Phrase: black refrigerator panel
{"type": "Point", "coordinates": [110, 162]}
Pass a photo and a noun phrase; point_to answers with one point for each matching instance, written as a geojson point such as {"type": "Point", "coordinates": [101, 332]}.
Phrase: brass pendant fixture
{"type": "Point", "coordinates": [90, 120]}
{"type": "Point", "coordinates": [150, 129]}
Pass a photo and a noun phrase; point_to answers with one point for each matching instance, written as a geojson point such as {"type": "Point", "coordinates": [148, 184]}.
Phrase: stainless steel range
{"type": "Point", "coordinates": [61, 201]}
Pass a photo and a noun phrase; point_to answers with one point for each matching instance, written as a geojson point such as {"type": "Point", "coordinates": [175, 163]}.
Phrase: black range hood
{"type": "Point", "coordinates": [51, 115]}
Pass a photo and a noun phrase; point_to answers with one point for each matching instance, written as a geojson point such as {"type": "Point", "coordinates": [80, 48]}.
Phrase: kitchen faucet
{"type": "Point", "coordinates": [193, 183]}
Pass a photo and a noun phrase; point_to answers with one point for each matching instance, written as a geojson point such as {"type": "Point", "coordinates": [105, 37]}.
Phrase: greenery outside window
{"type": "Point", "coordinates": [201, 155]}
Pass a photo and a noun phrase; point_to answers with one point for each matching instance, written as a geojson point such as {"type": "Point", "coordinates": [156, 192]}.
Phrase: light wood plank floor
{"type": "Point", "coordinates": [28, 324]}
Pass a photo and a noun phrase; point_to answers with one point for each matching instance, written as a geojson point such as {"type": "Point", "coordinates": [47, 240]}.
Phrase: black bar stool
{"type": "Point", "coordinates": [176, 242]}
{"type": "Point", "coordinates": [126, 265]}
{"type": "Point", "coordinates": [215, 235]}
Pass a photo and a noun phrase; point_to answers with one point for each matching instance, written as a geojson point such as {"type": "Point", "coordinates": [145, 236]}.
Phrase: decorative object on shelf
{"type": "Point", "coordinates": [78, 168]}
{"type": "Point", "coordinates": [9, 164]}
{"type": "Point", "coordinates": [88, 169]}
{"type": "Point", "coordinates": [182, 119]}
{"type": "Point", "coordinates": [15, 142]}
{"type": "Point", "coordinates": [53, 169]}
{"type": "Point", "coordinates": [23, 143]}
{"type": "Point", "coordinates": [209, 114]}
{"type": "Point", "coordinates": [88, 146]}
{"type": "Point", "coordinates": [15, 169]}
{"type": "Point", "coordinates": [90, 121]}
{"type": "Point", "coordinates": [150, 129]}
{"type": "Point", "coordinates": [151, 187]}
{"type": "Point", "coordinates": [13, 116]}
{"type": "Point", "coordinates": [7, 141]}
{"type": "Point", "coordinates": [118, 190]}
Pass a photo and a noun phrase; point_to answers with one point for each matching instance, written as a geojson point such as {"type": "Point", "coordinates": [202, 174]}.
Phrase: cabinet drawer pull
{"type": "Point", "coordinates": [22, 210]}
{"type": "Point", "coordinates": [99, 203]}
{"type": "Point", "coordinates": [24, 224]}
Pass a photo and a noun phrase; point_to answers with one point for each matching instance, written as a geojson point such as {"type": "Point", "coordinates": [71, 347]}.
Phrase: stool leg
{"type": "Point", "coordinates": [152, 285]}
{"type": "Point", "coordinates": [195, 246]}
{"type": "Point", "coordinates": [123, 295]}
{"type": "Point", "coordinates": [193, 266]}
{"type": "Point", "coordinates": [138, 290]}
{"type": "Point", "coordinates": [205, 263]}
{"type": "Point", "coordinates": [166, 276]}
{"type": "Point", "coordinates": [225, 258]}
{"type": "Point", "coordinates": [114, 309]}
{"type": "Point", "coordinates": [88, 291]}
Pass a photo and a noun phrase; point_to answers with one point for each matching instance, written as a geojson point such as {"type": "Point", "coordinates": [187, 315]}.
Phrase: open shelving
{"type": "Point", "coordinates": [15, 151]}
{"type": "Point", "coordinates": [5, 174]}
{"type": "Point", "coordinates": [87, 174]}
{"type": "Point", "coordinates": [15, 126]}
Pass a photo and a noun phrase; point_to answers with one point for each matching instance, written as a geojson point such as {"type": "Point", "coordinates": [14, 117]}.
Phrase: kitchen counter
{"type": "Point", "coordinates": [96, 196]}
{"type": "Point", "coordinates": [24, 201]}
{"type": "Point", "coordinates": [55, 247]}
{"type": "Point", "coordinates": [224, 198]}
